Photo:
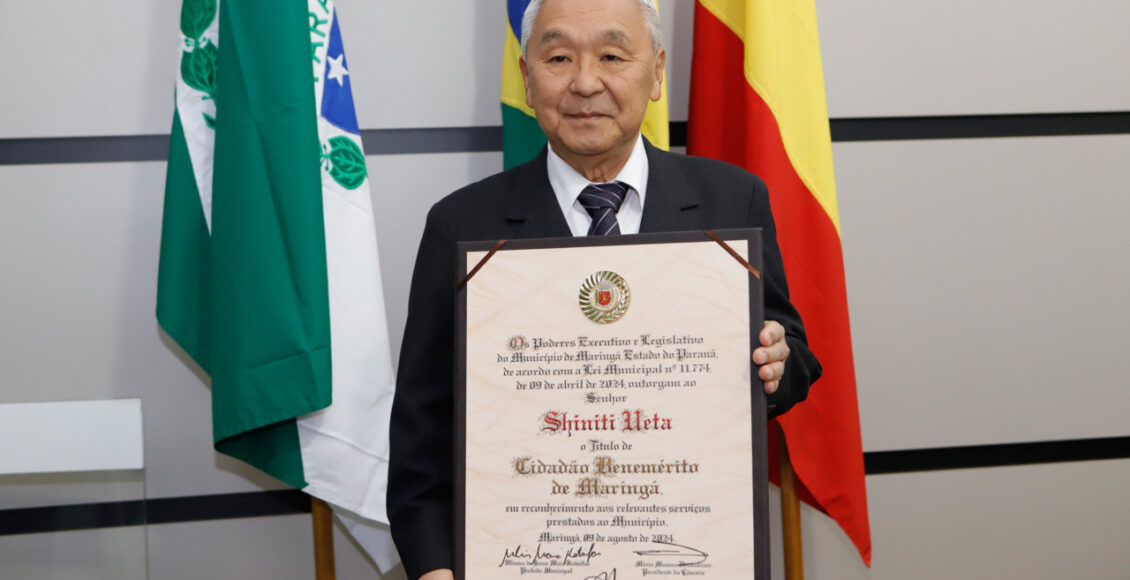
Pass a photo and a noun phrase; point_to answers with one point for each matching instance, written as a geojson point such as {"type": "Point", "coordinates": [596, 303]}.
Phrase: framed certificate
{"type": "Point", "coordinates": [610, 423]}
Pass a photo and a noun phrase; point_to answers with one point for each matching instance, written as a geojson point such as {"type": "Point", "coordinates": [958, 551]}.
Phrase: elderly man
{"type": "Point", "coordinates": [590, 69]}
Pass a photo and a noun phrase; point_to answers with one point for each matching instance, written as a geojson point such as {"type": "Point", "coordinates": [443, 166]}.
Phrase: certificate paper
{"type": "Point", "coordinates": [610, 422]}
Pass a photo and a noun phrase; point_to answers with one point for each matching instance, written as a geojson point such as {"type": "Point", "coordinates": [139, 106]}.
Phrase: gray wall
{"type": "Point", "coordinates": [984, 275]}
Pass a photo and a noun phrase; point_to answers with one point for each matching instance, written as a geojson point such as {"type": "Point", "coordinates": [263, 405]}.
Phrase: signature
{"type": "Point", "coordinates": [574, 555]}
{"type": "Point", "coordinates": [687, 555]}
{"type": "Point", "coordinates": [581, 552]}
{"type": "Point", "coordinates": [603, 576]}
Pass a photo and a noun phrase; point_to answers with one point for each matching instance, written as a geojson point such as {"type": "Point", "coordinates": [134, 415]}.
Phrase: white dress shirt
{"type": "Point", "coordinates": [567, 185]}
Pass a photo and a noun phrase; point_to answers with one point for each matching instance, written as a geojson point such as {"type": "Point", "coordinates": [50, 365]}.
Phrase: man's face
{"type": "Point", "coordinates": [590, 72]}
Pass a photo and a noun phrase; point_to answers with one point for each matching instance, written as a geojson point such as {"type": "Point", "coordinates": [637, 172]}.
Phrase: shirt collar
{"type": "Point", "coordinates": [567, 183]}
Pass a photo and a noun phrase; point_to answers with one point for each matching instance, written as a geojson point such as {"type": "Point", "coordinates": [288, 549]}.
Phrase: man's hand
{"type": "Point", "coordinates": [771, 355]}
{"type": "Point", "coordinates": [441, 574]}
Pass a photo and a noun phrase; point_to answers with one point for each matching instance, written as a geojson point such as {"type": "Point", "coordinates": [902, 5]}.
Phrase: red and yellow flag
{"type": "Point", "coordinates": [757, 100]}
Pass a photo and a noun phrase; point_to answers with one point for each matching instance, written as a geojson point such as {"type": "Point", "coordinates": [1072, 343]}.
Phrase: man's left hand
{"type": "Point", "coordinates": [771, 355]}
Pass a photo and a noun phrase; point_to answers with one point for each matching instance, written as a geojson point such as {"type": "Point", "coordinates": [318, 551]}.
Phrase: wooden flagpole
{"type": "Point", "coordinates": [323, 540]}
{"type": "Point", "coordinates": [790, 512]}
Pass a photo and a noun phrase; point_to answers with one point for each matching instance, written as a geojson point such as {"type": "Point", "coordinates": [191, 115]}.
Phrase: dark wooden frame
{"type": "Point", "coordinates": [759, 421]}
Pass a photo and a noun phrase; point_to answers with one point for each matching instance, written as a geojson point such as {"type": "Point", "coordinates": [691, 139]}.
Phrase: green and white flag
{"type": "Point", "coordinates": [269, 274]}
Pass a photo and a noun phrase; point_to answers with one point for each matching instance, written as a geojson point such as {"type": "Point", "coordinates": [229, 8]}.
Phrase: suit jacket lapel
{"type": "Point", "coordinates": [671, 204]}
{"type": "Point", "coordinates": [532, 211]}
{"type": "Point", "coordinates": [531, 206]}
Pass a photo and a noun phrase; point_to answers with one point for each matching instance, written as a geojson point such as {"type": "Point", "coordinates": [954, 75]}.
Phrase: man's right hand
{"type": "Point", "coordinates": [441, 574]}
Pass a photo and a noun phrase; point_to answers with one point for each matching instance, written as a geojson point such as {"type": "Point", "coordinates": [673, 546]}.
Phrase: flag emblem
{"type": "Point", "coordinates": [344, 161]}
{"type": "Point", "coordinates": [199, 52]}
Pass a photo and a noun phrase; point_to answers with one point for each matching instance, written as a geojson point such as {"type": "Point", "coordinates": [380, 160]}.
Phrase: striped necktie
{"type": "Point", "coordinates": [602, 201]}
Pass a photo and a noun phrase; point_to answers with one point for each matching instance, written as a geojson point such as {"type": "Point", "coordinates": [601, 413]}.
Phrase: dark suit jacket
{"type": "Point", "coordinates": [683, 193]}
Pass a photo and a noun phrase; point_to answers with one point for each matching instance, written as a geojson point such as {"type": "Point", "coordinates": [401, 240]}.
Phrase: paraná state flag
{"type": "Point", "coordinates": [522, 138]}
{"type": "Point", "coordinates": [758, 101]}
{"type": "Point", "coordinates": [269, 276]}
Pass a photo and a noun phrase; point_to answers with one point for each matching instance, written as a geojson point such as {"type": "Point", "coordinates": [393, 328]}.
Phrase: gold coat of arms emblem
{"type": "Point", "coordinates": [604, 297]}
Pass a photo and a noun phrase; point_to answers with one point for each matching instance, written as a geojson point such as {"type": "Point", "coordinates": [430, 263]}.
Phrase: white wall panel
{"type": "Point", "coordinates": [986, 287]}
{"type": "Point", "coordinates": [892, 57]}
{"type": "Point", "coordinates": [1036, 522]}
{"type": "Point", "coordinates": [276, 547]}
{"type": "Point", "coordinates": [415, 66]}
{"type": "Point", "coordinates": [70, 436]}
{"type": "Point", "coordinates": [53, 489]}
{"type": "Point", "coordinates": [97, 554]}
{"type": "Point", "coordinates": [404, 188]}
{"type": "Point", "coordinates": [86, 71]}
{"type": "Point", "coordinates": [88, 68]}
{"type": "Point", "coordinates": [78, 253]}
{"type": "Point", "coordinates": [108, 68]}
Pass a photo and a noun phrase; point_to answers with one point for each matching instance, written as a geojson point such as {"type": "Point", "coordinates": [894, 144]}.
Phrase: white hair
{"type": "Point", "coordinates": [650, 18]}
